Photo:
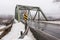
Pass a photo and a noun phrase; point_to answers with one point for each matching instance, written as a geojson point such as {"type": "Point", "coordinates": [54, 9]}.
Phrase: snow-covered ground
{"type": "Point", "coordinates": [14, 34]}
{"type": "Point", "coordinates": [51, 22]}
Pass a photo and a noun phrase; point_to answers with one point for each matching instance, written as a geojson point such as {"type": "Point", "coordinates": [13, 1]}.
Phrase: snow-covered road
{"type": "Point", "coordinates": [15, 33]}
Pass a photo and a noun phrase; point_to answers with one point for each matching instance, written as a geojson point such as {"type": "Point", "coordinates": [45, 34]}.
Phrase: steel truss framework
{"type": "Point", "coordinates": [37, 9]}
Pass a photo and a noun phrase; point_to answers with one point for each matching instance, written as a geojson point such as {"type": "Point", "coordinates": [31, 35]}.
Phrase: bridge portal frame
{"type": "Point", "coordinates": [37, 9]}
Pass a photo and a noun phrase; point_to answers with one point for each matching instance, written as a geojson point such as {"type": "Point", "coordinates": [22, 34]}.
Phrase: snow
{"type": "Point", "coordinates": [51, 22]}
{"type": "Point", "coordinates": [2, 26]}
{"type": "Point", "coordinates": [14, 34]}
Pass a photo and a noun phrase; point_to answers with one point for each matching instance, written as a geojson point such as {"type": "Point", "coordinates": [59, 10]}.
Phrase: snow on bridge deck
{"type": "Point", "coordinates": [14, 34]}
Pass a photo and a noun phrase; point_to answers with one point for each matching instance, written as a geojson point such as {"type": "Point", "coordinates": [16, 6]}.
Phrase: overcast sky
{"type": "Point", "coordinates": [49, 7]}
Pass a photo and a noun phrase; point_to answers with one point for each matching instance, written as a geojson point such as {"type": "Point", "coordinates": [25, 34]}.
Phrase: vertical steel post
{"type": "Point", "coordinates": [38, 19]}
{"type": "Point", "coordinates": [38, 16]}
{"type": "Point", "coordinates": [18, 16]}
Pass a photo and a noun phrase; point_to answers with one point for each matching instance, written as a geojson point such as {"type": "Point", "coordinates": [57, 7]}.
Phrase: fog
{"type": "Point", "coordinates": [49, 7]}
